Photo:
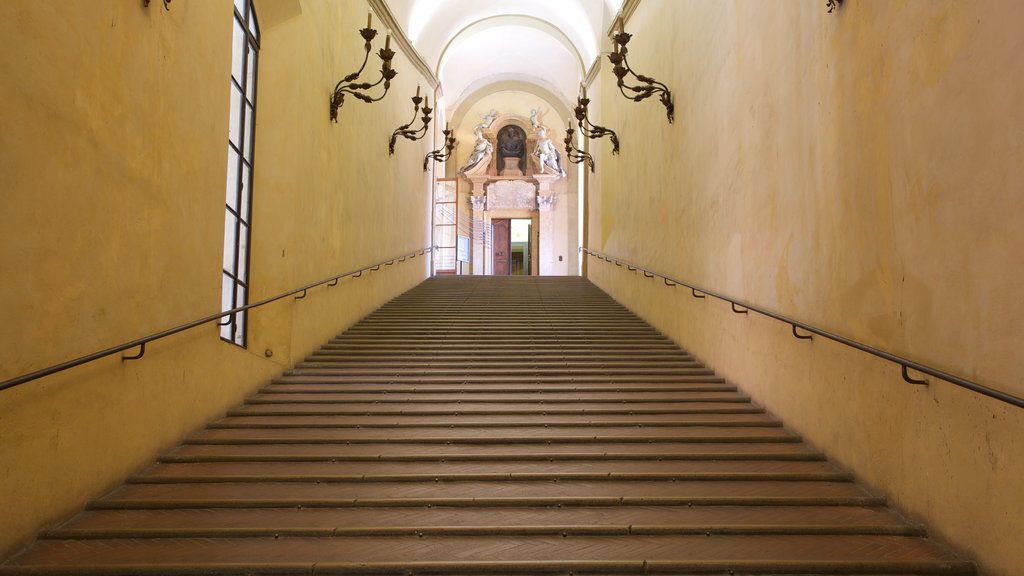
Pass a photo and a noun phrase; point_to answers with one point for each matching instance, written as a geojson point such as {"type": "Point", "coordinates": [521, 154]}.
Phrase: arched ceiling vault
{"type": "Point", "coordinates": [480, 27]}
{"type": "Point", "coordinates": [559, 109]}
{"type": "Point", "coordinates": [544, 46]}
{"type": "Point", "coordinates": [535, 55]}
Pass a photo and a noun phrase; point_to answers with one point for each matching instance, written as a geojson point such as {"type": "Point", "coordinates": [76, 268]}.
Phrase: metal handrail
{"type": "Point", "coordinates": [140, 343]}
{"type": "Point", "coordinates": [905, 363]}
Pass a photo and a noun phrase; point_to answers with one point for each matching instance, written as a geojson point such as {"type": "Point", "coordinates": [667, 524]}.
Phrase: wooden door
{"type": "Point", "coordinates": [501, 234]}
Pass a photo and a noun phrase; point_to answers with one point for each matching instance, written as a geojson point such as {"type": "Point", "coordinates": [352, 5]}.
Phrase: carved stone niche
{"type": "Point", "coordinates": [514, 138]}
{"type": "Point", "coordinates": [512, 195]}
{"type": "Point", "coordinates": [511, 151]}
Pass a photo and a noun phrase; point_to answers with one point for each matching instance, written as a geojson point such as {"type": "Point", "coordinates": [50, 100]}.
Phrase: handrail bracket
{"type": "Point", "coordinates": [914, 381]}
{"type": "Point", "coordinates": [142, 352]}
{"type": "Point", "coordinates": [801, 336]}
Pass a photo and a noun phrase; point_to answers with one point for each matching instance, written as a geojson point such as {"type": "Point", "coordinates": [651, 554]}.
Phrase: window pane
{"type": "Point", "coordinates": [241, 6]}
{"type": "Point", "coordinates": [240, 297]}
{"type": "Point", "coordinates": [250, 76]}
{"type": "Point", "coordinates": [243, 255]}
{"type": "Point", "coordinates": [227, 291]}
{"type": "Point", "coordinates": [234, 122]}
{"type": "Point", "coordinates": [445, 192]}
{"type": "Point", "coordinates": [445, 259]}
{"type": "Point", "coordinates": [237, 51]}
{"type": "Point", "coordinates": [229, 242]}
{"type": "Point", "coordinates": [240, 293]}
{"type": "Point", "coordinates": [240, 321]}
{"type": "Point", "coordinates": [231, 198]}
{"type": "Point", "coordinates": [246, 193]}
{"type": "Point", "coordinates": [444, 236]}
{"type": "Point", "coordinates": [250, 120]}
{"type": "Point", "coordinates": [444, 214]}
{"type": "Point", "coordinates": [254, 26]}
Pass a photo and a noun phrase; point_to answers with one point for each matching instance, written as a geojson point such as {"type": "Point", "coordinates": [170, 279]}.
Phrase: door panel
{"type": "Point", "coordinates": [501, 233]}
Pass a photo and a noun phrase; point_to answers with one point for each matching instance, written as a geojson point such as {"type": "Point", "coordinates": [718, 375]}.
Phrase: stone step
{"type": "Point", "coordinates": [490, 426]}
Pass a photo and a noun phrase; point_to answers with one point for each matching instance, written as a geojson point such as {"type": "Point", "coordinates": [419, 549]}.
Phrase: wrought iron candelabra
{"type": "Point", "coordinates": [405, 131]}
{"type": "Point", "coordinates": [443, 153]}
{"type": "Point", "coordinates": [588, 128]}
{"type": "Point", "coordinates": [357, 89]}
{"type": "Point", "coordinates": [574, 154]}
{"type": "Point", "coordinates": [648, 86]}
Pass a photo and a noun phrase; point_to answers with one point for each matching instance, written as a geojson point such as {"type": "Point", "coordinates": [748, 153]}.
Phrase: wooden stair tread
{"type": "Point", "coordinates": [487, 426]}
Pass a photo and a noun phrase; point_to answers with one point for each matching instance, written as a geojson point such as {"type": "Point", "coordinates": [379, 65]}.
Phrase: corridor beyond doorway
{"type": "Point", "coordinates": [520, 248]}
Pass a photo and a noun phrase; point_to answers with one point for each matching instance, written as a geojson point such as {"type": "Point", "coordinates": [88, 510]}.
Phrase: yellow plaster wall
{"type": "Point", "coordinates": [342, 202]}
{"type": "Point", "coordinates": [112, 172]}
{"type": "Point", "coordinates": [859, 171]}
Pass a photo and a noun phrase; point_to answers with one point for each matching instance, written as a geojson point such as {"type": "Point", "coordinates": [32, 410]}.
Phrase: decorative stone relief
{"type": "Point", "coordinates": [512, 195]}
{"type": "Point", "coordinates": [546, 203]}
{"type": "Point", "coordinates": [479, 202]}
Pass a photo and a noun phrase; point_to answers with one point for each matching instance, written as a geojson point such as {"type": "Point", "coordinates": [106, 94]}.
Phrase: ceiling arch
{"type": "Point", "coordinates": [560, 109]}
{"type": "Point", "coordinates": [535, 56]}
{"type": "Point", "coordinates": [549, 44]}
{"type": "Point", "coordinates": [482, 26]}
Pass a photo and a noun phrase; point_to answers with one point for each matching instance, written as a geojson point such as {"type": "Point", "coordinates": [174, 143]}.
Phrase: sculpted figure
{"type": "Point", "coordinates": [547, 154]}
{"type": "Point", "coordinates": [488, 119]}
{"type": "Point", "coordinates": [480, 159]}
{"type": "Point", "coordinates": [534, 118]}
{"type": "Point", "coordinates": [510, 142]}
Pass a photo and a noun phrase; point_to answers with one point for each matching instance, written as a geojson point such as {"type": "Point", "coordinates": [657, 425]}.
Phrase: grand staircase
{"type": "Point", "coordinates": [480, 425]}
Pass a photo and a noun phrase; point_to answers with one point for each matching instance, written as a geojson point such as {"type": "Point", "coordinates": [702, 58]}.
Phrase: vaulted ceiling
{"type": "Point", "coordinates": [475, 46]}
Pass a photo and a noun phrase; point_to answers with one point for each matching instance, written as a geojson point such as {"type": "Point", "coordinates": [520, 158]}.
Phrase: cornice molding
{"type": "Point", "coordinates": [592, 73]}
{"type": "Point", "coordinates": [384, 14]}
{"type": "Point", "coordinates": [625, 13]}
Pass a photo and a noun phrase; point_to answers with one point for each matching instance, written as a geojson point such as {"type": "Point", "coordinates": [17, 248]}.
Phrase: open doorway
{"type": "Point", "coordinates": [511, 246]}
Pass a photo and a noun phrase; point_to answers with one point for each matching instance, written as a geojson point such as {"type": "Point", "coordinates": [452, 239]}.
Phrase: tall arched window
{"type": "Point", "coordinates": [245, 46]}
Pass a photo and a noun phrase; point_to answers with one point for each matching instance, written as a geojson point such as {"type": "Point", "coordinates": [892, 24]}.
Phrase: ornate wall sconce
{"type": "Point", "coordinates": [588, 128]}
{"type": "Point", "coordinates": [347, 86]}
{"type": "Point", "coordinates": [443, 153]}
{"type": "Point", "coordinates": [648, 87]}
{"type": "Point", "coordinates": [833, 4]}
{"type": "Point", "coordinates": [404, 131]}
{"type": "Point", "coordinates": [574, 154]}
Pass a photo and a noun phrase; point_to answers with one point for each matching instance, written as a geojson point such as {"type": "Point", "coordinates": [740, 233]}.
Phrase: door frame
{"type": "Point", "coordinates": [534, 217]}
